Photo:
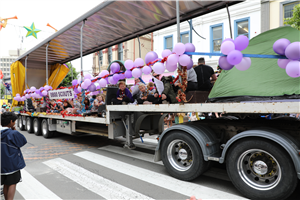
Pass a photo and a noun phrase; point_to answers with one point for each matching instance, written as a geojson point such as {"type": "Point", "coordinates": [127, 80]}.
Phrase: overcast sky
{"type": "Point", "coordinates": [57, 13]}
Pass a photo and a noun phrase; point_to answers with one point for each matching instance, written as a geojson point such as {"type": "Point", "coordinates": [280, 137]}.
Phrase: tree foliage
{"type": "Point", "coordinates": [67, 81]}
{"type": "Point", "coordinates": [295, 20]}
{"type": "Point", "coordinates": [2, 90]}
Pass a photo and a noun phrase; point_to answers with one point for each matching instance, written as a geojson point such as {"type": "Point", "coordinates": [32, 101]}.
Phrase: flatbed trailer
{"type": "Point", "coordinates": [262, 156]}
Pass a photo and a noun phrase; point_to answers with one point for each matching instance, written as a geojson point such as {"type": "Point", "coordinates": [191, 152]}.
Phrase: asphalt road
{"type": "Point", "coordinates": [94, 167]}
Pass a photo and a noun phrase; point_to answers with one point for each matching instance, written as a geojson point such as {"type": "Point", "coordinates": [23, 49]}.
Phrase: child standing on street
{"type": "Point", "coordinates": [12, 160]}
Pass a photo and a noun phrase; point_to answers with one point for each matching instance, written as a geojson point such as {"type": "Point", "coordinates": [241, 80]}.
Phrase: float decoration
{"type": "Point", "coordinates": [32, 30]}
{"type": "Point", "coordinates": [3, 21]}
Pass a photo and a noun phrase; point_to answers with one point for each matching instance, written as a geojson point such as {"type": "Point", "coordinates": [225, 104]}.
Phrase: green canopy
{"type": "Point", "coordinates": [264, 79]}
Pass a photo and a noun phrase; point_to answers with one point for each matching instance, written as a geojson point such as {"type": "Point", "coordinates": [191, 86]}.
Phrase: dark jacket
{"type": "Point", "coordinates": [168, 88]}
{"type": "Point", "coordinates": [11, 156]}
{"type": "Point", "coordinates": [126, 93]}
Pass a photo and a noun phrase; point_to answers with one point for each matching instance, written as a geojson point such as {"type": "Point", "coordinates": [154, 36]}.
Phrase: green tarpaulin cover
{"type": "Point", "coordinates": [264, 78]}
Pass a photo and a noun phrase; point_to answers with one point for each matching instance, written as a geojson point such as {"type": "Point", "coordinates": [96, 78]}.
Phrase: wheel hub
{"type": "Point", "coordinates": [182, 154]}
{"type": "Point", "coordinates": [260, 167]}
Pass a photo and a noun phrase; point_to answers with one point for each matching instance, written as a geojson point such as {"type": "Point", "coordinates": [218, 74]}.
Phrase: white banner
{"type": "Point", "coordinates": [61, 94]}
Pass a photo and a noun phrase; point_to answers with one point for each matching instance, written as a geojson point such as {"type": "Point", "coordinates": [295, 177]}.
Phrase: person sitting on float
{"type": "Point", "coordinates": [136, 92]}
{"type": "Point", "coordinates": [123, 95]}
{"type": "Point", "coordinates": [143, 98]}
{"type": "Point", "coordinates": [86, 105]}
{"type": "Point", "coordinates": [97, 102]}
{"type": "Point", "coordinates": [168, 95]}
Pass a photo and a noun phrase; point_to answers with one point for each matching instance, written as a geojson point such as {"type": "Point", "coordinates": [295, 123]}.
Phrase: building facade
{"type": "Point", "coordinates": [129, 50]}
{"type": "Point", "coordinates": [6, 61]}
{"type": "Point", "coordinates": [213, 29]}
{"type": "Point", "coordinates": [274, 12]}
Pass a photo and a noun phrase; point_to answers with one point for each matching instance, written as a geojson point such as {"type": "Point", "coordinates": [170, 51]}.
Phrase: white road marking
{"type": "Point", "coordinates": [30, 188]}
{"type": "Point", "coordinates": [213, 172]}
{"type": "Point", "coordinates": [95, 183]}
{"type": "Point", "coordinates": [164, 181]}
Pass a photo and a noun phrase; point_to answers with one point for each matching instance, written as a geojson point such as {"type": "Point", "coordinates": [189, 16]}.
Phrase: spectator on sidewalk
{"type": "Point", "coordinates": [12, 160]}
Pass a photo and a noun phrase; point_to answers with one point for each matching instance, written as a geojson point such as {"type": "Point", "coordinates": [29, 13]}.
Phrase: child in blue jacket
{"type": "Point", "coordinates": [12, 160]}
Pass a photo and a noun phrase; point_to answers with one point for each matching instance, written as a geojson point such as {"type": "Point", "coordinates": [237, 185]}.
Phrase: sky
{"type": "Point", "coordinates": [58, 13]}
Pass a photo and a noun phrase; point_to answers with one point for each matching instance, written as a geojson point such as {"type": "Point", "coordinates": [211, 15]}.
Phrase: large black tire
{"type": "Point", "coordinates": [45, 129]}
{"type": "Point", "coordinates": [261, 169]}
{"type": "Point", "coordinates": [29, 124]}
{"type": "Point", "coordinates": [182, 156]}
{"type": "Point", "coordinates": [20, 123]}
{"type": "Point", "coordinates": [37, 127]}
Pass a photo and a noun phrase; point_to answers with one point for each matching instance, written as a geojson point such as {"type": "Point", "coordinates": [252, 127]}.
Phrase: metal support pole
{"type": "Point", "coordinates": [71, 70]}
{"type": "Point", "coordinates": [139, 47]}
{"type": "Point", "coordinates": [47, 63]}
{"type": "Point", "coordinates": [81, 37]}
{"type": "Point", "coordinates": [99, 61]}
{"type": "Point", "coordinates": [178, 30]}
{"type": "Point", "coordinates": [191, 33]}
{"type": "Point", "coordinates": [229, 21]}
{"type": "Point", "coordinates": [26, 71]}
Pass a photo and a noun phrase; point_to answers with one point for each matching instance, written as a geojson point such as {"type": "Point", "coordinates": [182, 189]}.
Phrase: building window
{"type": "Point", "coordinates": [109, 55]}
{"type": "Point", "coordinates": [168, 42]}
{"type": "Point", "coordinates": [242, 27]}
{"type": "Point", "coordinates": [286, 10]}
{"type": "Point", "coordinates": [100, 58]}
{"type": "Point", "coordinates": [216, 37]}
{"type": "Point", "coordinates": [1, 64]}
{"type": "Point", "coordinates": [184, 37]}
{"type": "Point", "coordinates": [120, 51]}
{"type": "Point", "coordinates": [4, 60]}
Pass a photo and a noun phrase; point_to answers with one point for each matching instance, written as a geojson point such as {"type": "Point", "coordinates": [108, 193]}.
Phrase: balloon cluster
{"type": "Point", "coordinates": [292, 51]}
{"type": "Point", "coordinates": [232, 48]}
{"type": "Point", "coordinates": [33, 93]}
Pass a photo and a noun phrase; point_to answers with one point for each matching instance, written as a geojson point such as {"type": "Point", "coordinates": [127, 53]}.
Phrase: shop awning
{"type": "Point", "coordinates": [113, 22]}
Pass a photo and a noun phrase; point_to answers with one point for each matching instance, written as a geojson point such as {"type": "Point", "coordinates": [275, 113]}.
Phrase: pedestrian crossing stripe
{"type": "Point", "coordinates": [95, 183]}
{"type": "Point", "coordinates": [161, 180]}
{"type": "Point", "coordinates": [30, 188]}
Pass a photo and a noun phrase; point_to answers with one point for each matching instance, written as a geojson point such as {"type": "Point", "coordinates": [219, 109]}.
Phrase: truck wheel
{"type": "Point", "coordinates": [20, 123]}
{"type": "Point", "coordinates": [29, 124]}
{"type": "Point", "coordinates": [260, 169]}
{"type": "Point", "coordinates": [37, 126]}
{"type": "Point", "coordinates": [182, 156]}
{"type": "Point", "coordinates": [45, 129]}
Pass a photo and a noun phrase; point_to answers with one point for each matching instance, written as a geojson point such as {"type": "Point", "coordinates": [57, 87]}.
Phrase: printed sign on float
{"type": "Point", "coordinates": [61, 94]}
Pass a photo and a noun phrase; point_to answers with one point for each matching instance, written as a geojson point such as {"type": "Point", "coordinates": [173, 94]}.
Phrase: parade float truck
{"type": "Point", "coordinates": [255, 137]}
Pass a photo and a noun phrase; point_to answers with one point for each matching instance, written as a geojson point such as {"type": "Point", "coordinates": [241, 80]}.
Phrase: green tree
{"type": "Point", "coordinates": [2, 91]}
{"type": "Point", "coordinates": [295, 20]}
{"type": "Point", "coordinates": [67, 81]}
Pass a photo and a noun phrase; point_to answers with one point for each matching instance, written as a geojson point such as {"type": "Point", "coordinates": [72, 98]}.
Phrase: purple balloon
{"type": "Point", "coordinates": [27, 96]}
{"type": "Point", "coordinates": [79, 89]}
{"type": "Point", "coordinates": [234, 57]}
{"type": "Point", "coordinates": [128, 64]}
{"type": "Point", "coordinates": [150, 57]}
{"type": "Point", "coordinates": [128, 74]}
{"type": "Point", "coordinates": [103, 73]}
{"type": "Point", "coordinates": [147, 70]}
{"type": "Point", "coordinates": [166, 53]}
{"type": "Point", "coordinates": [190, 65]}
{"type": "Point", "coordinates": [122, 76]}
{"type": "Point", "coordinates": [150, 80]}
{"type": "Point", "coordinates": [136, 73]}
{"type": "Point", "coordinates": [114, 67]}
{"type": "Point", "coordinates": [223, 63]}
{"type": "Point", "coordinates": [171, 68]}
{"type": "Point", "coordinates": [76, 91]}
{"type": "Point", "coordinates": [92, 88]}
{"type": "Point", "coordinates": [98, 87]}
{"type": "Point", "coordinates": [87, 82]}
{"type": "Point", "coordinates": [116, 77]}
{"type": "Point", "coordinates": [293, 51]}
{"type": "Point", "coordinates": [102, 82]}
{"type": "Point", "coordinates": [280, 45]}
{"type": "Point", "coordinates": [228, 39]}
{"type": "Point", "coordinates": [74, 82]}
{"type": "Point", "coordinates": [173, 59]}
{"type": "Point", "coordinates": [179, 48]}
{"type": "Point", "coordinates": [84, 85]}
{"type": "Point", "coordinates": [241, 42]}
{"type": "Point", "coordinates": [184, 60]}
{"type": "Point", "coordinates": [87, 76]}
{"type": "Point", "coordinates": [47, 87]}
{"type": "Point", "coordinates": [112, 81]}
{"type": "Point", "coordinates": [282, 63]}
{"type": "Point", "coordinates": [158, 68]}
{"type": "Point", "coordinates": [27, 90]}
{"type": "Point", "coordinates": [293, 69]}
{"type": "Point", "coordinates": [139, 62]}
{"type": "Point", "coordinates": [227, 47]}
{"type": "Point", "coordinates": [41, 88]}
{"type": "Point", "coordinates": [189, 47]}
{"type": "Point", "coordinates": [244, 64]}
{"type": "Point", "coordinates": [44, 93]}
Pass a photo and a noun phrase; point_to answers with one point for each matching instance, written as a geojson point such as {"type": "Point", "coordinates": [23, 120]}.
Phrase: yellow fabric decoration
{"type": "Point", "coordinates": [58, 73]}
{"type": "Point", "coordinates": [17, 76]}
